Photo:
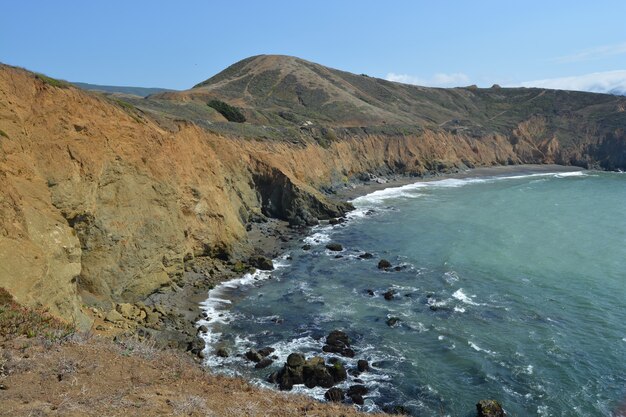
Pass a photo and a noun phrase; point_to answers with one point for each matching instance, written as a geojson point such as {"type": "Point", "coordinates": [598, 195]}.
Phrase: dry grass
{"type": "Point", "coordinates": [93, 376]}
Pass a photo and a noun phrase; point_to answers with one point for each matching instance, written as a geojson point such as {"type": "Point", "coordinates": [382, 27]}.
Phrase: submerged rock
{"type": "Point", "coordinates": [335, 247]}
{"type": "Point", "coordinates": [489, 408]}
{"type": "Point", "coordinates": [389, 295]}
{"type": "Point", "coordinates": [393, 321]}
{"type": "Point", "coordinates": [366, 255]}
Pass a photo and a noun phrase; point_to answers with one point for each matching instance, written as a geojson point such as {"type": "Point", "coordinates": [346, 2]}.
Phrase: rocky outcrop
{"type": "Point", "coordinates": [489, 408]}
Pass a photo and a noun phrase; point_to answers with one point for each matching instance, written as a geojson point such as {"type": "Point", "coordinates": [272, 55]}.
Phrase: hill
{"type": "Point", "coordinates": [136, 91]}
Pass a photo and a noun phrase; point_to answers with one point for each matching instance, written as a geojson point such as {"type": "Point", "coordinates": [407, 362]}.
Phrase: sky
{"type": "Point", "coordinates": [557, 44]}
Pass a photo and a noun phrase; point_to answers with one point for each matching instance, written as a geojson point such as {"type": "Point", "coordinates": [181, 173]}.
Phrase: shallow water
{"type": "Point", "coordinates": [511, 288]}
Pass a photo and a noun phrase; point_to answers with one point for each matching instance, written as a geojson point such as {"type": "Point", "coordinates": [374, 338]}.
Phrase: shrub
{"type": "Point", "coordinates": [231, 113]}
{"type": "Point", "coordinates": [52, 81]}
{"type": "Point", "coordinates": [17, 320]}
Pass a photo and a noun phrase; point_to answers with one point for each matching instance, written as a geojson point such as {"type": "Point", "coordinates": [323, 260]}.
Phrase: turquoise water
{"type": "Point", "coordinates": [510, 288]}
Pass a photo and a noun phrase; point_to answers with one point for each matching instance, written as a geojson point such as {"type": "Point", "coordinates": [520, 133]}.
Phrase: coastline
{"type": "Point", "coordinates": [273, 238]}
{"type": "Point", "coordinates": [276, 242]}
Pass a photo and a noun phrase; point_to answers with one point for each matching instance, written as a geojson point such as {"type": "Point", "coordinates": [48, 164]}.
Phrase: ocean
{"type": "Point", "coordinates": [510, 288]}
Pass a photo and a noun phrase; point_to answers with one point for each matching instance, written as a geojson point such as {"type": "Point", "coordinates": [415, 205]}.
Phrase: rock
{"type": "Point", "coordinates": [263, 363]}
{"type": "Point", "coordinates": [336, 221]}
{"type": "Point", "coordinates": [362, 365]}
{"type": "Point", "coordinates": [3, 387]}
{"type": "Point", "coordinates": [295, 360]}
{"type": "Point", "coordinates": [383, 264]}
{"type": "Point", "coordinates": [370, 292]}
{"type": "Point", "coordinates": [338, 338]}
{"type": "Point", "coordinates": [152, 318]}
{"type": "Point", "coordinates": [253, 355]}
{"type": "Point", "coordinates": [357, 389]}
{"type": "Point", "coordinates": [389, 295]}
{"type": "Point", "coordinates": [334, 394]}
{"type": "Point", "coordinates": [335, 247]}
{"type": "Point", "coordinates": [317, 374]}
{"type": "Point", "coordinates": [393, 321]}
{"type": "Point", "coordinates": [356, 393]}
{"type": "Point", "coordinates": [338, 372]}
{"type": "Point", "coordinates": [489, 408]}
{"type": "Point", "coordinates": [338, 342]}
{"type": "Point", "coordinates": [203, 329]}
{"type": "Point", "coordinates": [100, 327]}
{"type": "Point", "coordinates": [306, 247]}
{"type": "Point", "coordinates": [357, 399]}
{"type": "Point", "coordinates": [222, 352]}
{"type": "Point", "coordinates": [196, 346]}
{"type": "Point", "coordinates": [266, 351]}
{"type": "Point", "coordinates": [113, 316]}
{"type": "Point", "coordinates": [366, 255]}
{"type": "Point", "coordinates": [127, 310]}
{"type": "Point", "coordinates": [262, 263]}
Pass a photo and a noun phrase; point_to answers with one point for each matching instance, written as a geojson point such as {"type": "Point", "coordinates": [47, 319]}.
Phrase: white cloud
{"type": "Point", "coordinates": [438, 80]}
{"type": "Point", "coordinates": [594, 53]}
{"type": "Point", "coordinates": [598, 82]}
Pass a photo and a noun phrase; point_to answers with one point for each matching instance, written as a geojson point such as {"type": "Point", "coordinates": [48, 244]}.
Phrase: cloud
{"type": "Point", "coordinates": [438, 80]}
{"type": "Point", "coordinates": [594, 53]}
{"type": "Point", "coordinates": [613, 82]}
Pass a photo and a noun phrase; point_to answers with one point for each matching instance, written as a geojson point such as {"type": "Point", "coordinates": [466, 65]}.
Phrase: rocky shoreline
{"type": "Point", "coordinates": [169, 317]}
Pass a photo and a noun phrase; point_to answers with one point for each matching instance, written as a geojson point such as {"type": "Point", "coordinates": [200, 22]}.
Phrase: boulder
{"type": "Point", "coordinates": [127, 310]}
{"type": "Point", "coordinates": [338, 342]}
{"type": "Point", "coordinates": [262, 263]}
{"type": "Point", "coordinates": [253, 355]}
{"type": "Point", "coordinates": [263, 363]}
{"type": "Point", "coordinates": [113, 316]}
{"type": "Point", "coordinates": [222, 352]}
{"type": "Point", "coordinates": [335, 247]}
{"type": "Point", "coordinates": [489, 408]}
{"type": "Point", "coordinates": [295, 360]}
{"type": "Point", "coordinates": [362, 365]}
{"type": "Point", "coordinates": [356, 393]}
{"type": "Point", "coordinates": [383, 264]}
{"type": "Point", "coordinates": [306, 247]}
{"type": "Point", "coordinates": [366, 255]}
{"type": "Point", "coordinates": [334, 394]}
{"type": "Point", "coordinates": [266, 351]}
{"type": "Point", "coordinates": [338, 372]}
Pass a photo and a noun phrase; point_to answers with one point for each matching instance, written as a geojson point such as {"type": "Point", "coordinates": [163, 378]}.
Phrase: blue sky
{"type": "Point", "coordinates": [561, 44]}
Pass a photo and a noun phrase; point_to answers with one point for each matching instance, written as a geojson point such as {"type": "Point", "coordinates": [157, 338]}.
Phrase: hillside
{"type": "Point", "coordinates": [106, 200]}
{"type": "Point", "coordinates": [135, 91]}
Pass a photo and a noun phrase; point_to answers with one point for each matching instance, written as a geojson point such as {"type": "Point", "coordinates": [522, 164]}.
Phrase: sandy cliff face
{"type": "Point", "coordinates": [100, 203]}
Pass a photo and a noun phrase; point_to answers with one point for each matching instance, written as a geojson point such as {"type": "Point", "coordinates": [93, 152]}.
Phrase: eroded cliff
{"type": "Point", "coordinates": [101, 201]}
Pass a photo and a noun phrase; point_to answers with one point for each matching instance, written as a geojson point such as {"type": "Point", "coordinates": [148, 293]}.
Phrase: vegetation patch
{"type": "Point", "coordinates": [17, 320]}
{"type": "Point", "coordinates": [231, 113]}
{"type": "Point", "coordinates": [3, 133]}
{"type": "Point", "coordinates": [52, 81]}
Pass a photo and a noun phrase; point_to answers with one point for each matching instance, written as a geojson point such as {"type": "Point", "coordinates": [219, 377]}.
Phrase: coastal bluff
{"type": "Point", "coordinates": [103, 198]}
